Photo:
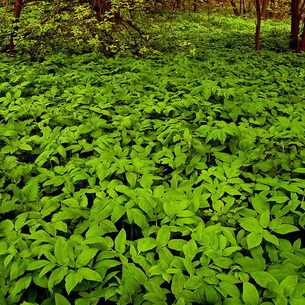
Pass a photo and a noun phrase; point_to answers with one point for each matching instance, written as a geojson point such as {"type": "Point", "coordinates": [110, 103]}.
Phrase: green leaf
{"type": "Point", "coordinates": [122, 188]}
{"type": "Point", "coordinates": [264, 219]}
{"type": "Point", "coordinates": [25, 146]}
{"type": "Point", "coordinates": [270, 238]}
{"type": "Point", "coordinates": [193, 283]}
{"type": "Point", "coordinates": [221, 136]}
{"type": "Point", "coordinates": [163, 236]}
{"type": "Point", "coordinates": [61, 150]}
{"type": "Point", "coordinates": [279, 199]}
{"type": "Point", "coordinates": [57, 276]}
{"type": "Point", "coordinates": [228, 251]}
{"type": "Point", "coordinates": [146, 244]}
{"type": "Point", "coordinates": [120, 240]}
{"type": "Point", "coordinates": [295, 301]}
{"type": "Point", "coordinates": [132, 179]}
{"type": "Point", "coordinates": [137, 273]}
{"type": "Point", "coordinates": [71, 202]}
{"type": "Point", "coordinates": [211, 294]}
{"type": "Point", "coordinates": [85, 257]}
{"type": "Point", "coordinates": [37, 264]}
{"type": "Point", "coordinates": [170, 209]}
{"type": "Point", "coordinates": [299, 170]}
{"type": "Point", "coordinates": [263, 278]}
{"type": "Point", "coordinates": [71, 281]}
{"type": "Point", "coordinates": [82, 301]}
{"type": "Point", "coordinates": [289, 284]}
{"type": "Point", "coordinates": [17, 269]}
{"type": "Point", "coordinates": [190, 249]}
{"type": "Point", "coordinates": [117, 213]}
{"type": "Point", "coordinates": [250, 294]}
{"type": "Point", "coordinates": [61, 251]}
{"type": "Point", "coordinates": [20, 221]}
{"type": "Point", "coordinates": [178, 282]}
{"type": "Point", "coordinates": [250, 224]}
{"type": "Point", "coordinates": [231, 289]}
{"type": "Point", "coordinates": [292, 187]}
{"type": "Point", "coordinates": [189, 266]}
{"type": "Point", "coordinates": [180, 301]}
{"type": "Point", "coordinates": [177, 244]}
{"type": "Point", "coordinates": [61, 300]}
{"type": "Point", "coordinates": [138, 217]}
{"type": "Point", "coordinates": [260, 203]}
{"type": "Point", "coordinates": [146, 181]}
{"type": "Point", "coordinates": [254, 240]}
{"type": "Point", "coordinates": [159, 191]}
{"type": "Point", "coordinates": [233, 301]}
{"type": "Point", "coordinates": [89, 274]}
{"type": "Point", "coordinates": [285, 229]}
{"type": "Point", "coordinates": [46, 269]}
{"type": "Point", "coordinates": [22, 284]}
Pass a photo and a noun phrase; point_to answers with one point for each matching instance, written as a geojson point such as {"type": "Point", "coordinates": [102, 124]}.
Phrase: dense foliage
{"type": "Point", "coordinates": [195, 33]}
{"type": "Point", "coordinates": [171, 179]}
{"type": "Point", "coordinates": [37, 28]}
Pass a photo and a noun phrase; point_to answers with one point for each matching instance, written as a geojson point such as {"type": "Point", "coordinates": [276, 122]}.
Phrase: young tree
{"type": "Point", "coordinates": [297, 11]}
{"type": "Point", "coordinates": [258, 23]}
{"type": "Point", "coordinates": [235, 9]}
{"type": "Point", "coordinates": [16, 15]}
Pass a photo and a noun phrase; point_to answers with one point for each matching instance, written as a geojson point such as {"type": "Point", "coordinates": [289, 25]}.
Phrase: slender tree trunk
{"type": "Point", "coordinates": [102, 7]}
{"type": "Point", "coordinates": [235, 9]}
{"type": "Point", "coordinates": [243, 7]}
{"type": "Point", "coordinates": [295, 24]}
{"type": "Point", "coordinates": [302, 43]}
{"type": "Point", "coordinates": [258, 24]}
{"type": "Point", "coordinates": [17, 12]}
{"type": "Point", "coordinates": [195, 6]}
{"type": "Point", "coordinates": [265, 9]}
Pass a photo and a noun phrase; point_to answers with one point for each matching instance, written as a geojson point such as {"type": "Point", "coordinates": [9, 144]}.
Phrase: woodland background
{"type": "Point", "coordinates": [37, 27]}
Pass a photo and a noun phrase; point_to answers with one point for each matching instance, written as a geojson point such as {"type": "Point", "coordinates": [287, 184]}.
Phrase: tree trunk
{"type": "Point", "coordinates": [302, 43]}
{"type": "Point", "coordinates": [243, 7]}
{"type": "Point", "coordinates": [195, 6]}
{"type": "Point", "coordinates": [295, 24]}
{"type": "Point", "coordinates": [265, 9]}
{"type": "Point", "coordinates": [102, 7]}
{"type": "Point", "coordinates": [235, 9]}
{"type": "Point", "coordinates": [258, 25]}
{"type": "Point", "coordinates": [17, 12]}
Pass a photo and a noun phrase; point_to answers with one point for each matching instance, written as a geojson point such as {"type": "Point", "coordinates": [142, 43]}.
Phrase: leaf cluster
{"type": "Point", "coordinates": [163, 180]}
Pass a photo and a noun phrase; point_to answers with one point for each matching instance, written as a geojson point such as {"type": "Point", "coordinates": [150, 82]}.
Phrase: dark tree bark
{"type": "Point", "coordinates": [16, 14]}
{"type": "Point", "coordinates": [235, 9]}
{"type": "Point", "coordinates": [265, 9]}
{"type": "Point", "coordinates": [295, 24]}
{"type": "Point", "coordinates": [195, 6]}
{"type": "Point", "coordinates": [302, 42]}
{"type": "Point", "coordinates": [258, 24]}
{"type": "Point", "coordinates": [102, 7]}
{"type": "Point", "coordinates": [244, 11]}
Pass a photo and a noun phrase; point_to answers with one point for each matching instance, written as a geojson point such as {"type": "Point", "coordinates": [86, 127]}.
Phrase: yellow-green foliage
{"type": "Point", "coordinates": [47, 26]}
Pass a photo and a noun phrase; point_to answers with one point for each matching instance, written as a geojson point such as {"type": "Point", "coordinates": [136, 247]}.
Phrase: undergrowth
{"type": "Point", "coordinates": [169, 179]}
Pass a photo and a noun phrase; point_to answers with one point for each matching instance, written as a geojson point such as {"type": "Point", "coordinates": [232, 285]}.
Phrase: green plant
{"type": "Point", "coordinates": [167, 179]}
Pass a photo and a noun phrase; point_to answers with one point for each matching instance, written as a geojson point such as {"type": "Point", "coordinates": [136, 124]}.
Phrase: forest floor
{"type": "Point", "coordinates": [172, 178]}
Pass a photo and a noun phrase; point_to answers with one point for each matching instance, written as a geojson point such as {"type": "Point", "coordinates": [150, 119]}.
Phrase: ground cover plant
{"type": "Point", "coordinates": [171, 179]}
